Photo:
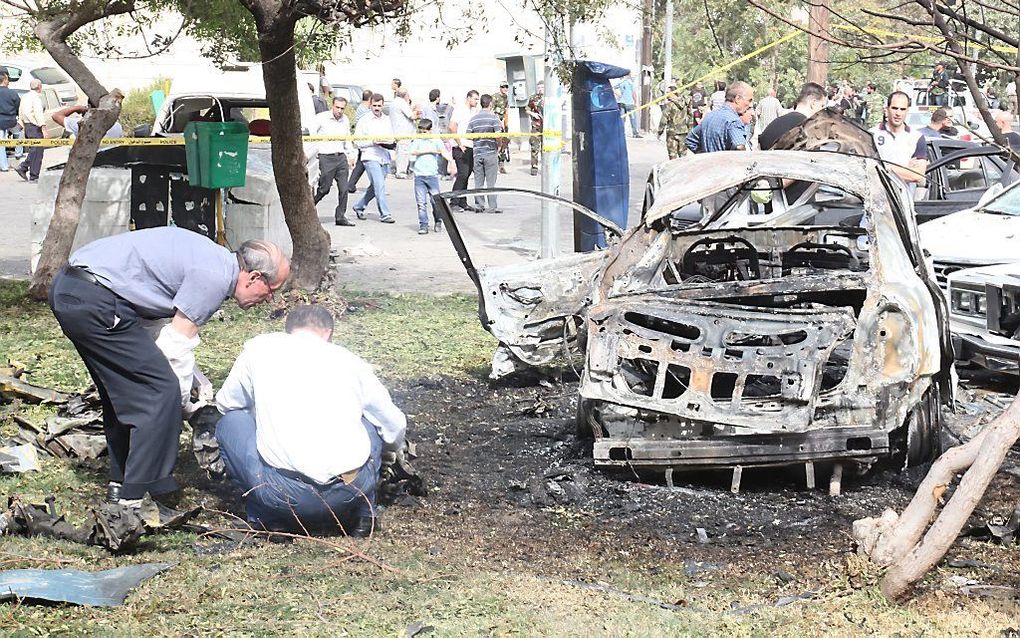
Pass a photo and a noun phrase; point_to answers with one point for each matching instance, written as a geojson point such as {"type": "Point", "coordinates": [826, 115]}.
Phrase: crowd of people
{"type": "Point", "coordinates": [396, 149]}
{"type": "Point", "coordinates": [729, 119]}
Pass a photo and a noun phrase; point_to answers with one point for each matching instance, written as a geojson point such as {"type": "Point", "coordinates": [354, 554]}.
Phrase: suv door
{"type": "Point", "coordinates": [533, 308]}
{"type": "Point", "coordinates": [958, 175]}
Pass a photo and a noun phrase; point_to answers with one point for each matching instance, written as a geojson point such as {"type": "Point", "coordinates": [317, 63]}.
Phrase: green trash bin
{"type": "Point", "coordinates": [217, 153]}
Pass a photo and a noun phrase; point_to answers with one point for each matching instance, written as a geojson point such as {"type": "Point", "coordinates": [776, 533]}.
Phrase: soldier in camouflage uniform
{"type": "Point", "coordinates": [674, 115]}
{"type": "Point", "coordinates": [500, 102]}
{"type": "Point", "coordinates": [874, 107]}
{"type": "Point", "coordinates": [535, 105]}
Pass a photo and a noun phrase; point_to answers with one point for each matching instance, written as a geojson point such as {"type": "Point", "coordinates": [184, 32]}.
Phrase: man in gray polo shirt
{"type": "Point", "coordinates": [102, 301]}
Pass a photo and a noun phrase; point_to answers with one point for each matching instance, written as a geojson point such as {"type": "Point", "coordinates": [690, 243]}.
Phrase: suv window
{"type": "Point", "coordinates": [971, 173]}
{"type": "Point", "coordinates": [50, 75]}
{"type": "Point", "coordinates": [13, 71]}
{"type": "Point", "coordinates": [50, 99]}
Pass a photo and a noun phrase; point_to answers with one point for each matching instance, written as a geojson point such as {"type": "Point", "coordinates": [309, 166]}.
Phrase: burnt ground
{"type": "Point", "coordinates": [511, 483]}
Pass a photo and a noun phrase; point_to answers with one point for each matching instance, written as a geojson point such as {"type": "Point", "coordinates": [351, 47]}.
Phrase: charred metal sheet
{"type": "Point", "coordinates": [531, 307]}
{"type": "Point", "coordinates": [108, 588]}
{"type": "Point", "coordinates": [745, 451]}
{"type": "Point", "coordinates": [754, 369]}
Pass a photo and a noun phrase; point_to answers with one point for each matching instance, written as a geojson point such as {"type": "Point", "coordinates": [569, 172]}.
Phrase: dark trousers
{"type": "Point", "coordinates": [34, 160]}
{"type": "Point", "coordinates": [465, 163]}
{"type": "Point", "coordinates": [279, 500]}
{"type": "Point", "coordinates": [333, 168]}
{"type": "Point", "coordinates": [359, 170]}
{"type": "Point", "coordinates": [140, 393]}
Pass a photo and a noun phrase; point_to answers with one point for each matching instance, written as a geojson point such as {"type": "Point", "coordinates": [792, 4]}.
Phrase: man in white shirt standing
{"type": "Point", "coordinates": [402, 119]}
{"type": "Point", "coordinates": [375, 156]}
{"type": "Point", "coordinates": [304, 427]}
{"type": "Point", "coordinates": [335, 158]}
{"type": "Point", "coordinates": [905, 150]}
{"type": "Point", "coordinates": [463, 149]}
{"type": "Point", "coordinates": [31, 115]}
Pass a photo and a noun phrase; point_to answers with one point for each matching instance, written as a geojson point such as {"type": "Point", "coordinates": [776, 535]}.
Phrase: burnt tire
{"type": "Point", "coordinates": [589, 419]}
{"type": "Point", "coordinates": [919, 440]}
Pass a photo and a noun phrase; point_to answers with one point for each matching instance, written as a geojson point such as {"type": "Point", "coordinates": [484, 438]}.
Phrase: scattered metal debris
{"type": "Point", "coordinates": [108, 588]}
{"type": "Point", "coordinates": [19, 458]}
{"type": "Point", "coordinates": [399, 483]}
{"type": "Point", "coordinates": [115, 527]}
{"type": "Point", "coordinates": [1003, 530]}
{"type": "Point", "coordinates": [418, 629]}
{"type": "Point", "coordinates": [203, 441]}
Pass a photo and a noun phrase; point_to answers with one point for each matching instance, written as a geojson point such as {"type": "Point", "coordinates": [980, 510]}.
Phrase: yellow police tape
{"type": "Point", "coordinates": [919, 38]}
{"type": "Point", "coordinates": [789, 36]}
{"type": "Point", "coordinates": [254, 139]}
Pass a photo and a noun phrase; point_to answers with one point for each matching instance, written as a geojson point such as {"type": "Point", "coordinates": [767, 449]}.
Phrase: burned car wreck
{"type": "Point", "coordinates": [794, 322]}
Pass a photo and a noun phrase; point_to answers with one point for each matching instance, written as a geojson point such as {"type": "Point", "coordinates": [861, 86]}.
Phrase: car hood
{"type": "Point", "coordinates": [971, 236]}
{"type": "Point", "coordinates": [999, 274]}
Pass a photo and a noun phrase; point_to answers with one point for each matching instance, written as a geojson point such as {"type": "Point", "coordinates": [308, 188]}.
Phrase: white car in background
{"type": "Point", "coordinates": [976, 257]}
{"type": "Point", "coordinates": [22, 73]}
{"type": "Point", "coordinates": [984, 235]}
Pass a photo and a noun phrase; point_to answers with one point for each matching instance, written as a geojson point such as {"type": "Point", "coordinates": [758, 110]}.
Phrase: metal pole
{"type": "Point", "coordinates": [552, 141]}
{"type": "Point", "coordinates": [667, 71]}
{"type": "Point", "coordinates": [646, 62]}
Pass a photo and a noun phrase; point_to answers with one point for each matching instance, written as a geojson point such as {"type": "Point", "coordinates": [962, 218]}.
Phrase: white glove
{"type": "Point", "coordinates": [201, 386]}
{"type": "Point", "coordinates": [179, 351]}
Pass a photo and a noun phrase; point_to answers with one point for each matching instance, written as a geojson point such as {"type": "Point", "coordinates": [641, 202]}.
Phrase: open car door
{"type": "Point", "coordinates": [531, 307]}
{"type": "Point", "coordinates": [960, 173]}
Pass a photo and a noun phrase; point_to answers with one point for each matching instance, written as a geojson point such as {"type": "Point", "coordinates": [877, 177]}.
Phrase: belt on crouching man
{"type": "Point", "coordinates": [77, 272]}
{"type": "Point", "coordinates": [347, 478]}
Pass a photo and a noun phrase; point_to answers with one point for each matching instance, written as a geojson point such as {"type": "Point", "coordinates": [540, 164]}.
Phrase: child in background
{"type": "Point", "coordinates": [425, 154]}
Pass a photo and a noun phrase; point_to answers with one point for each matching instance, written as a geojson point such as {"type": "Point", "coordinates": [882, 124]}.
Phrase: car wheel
{"type": "Point", "coordinates": [589, 419]}
{"type": "Point", "coordinates": [919, 440]}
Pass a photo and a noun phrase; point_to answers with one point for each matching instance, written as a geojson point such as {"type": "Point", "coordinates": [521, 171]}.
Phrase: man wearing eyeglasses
{"type": "Point", "coordinates": [905, 150]}
{"type": "Point", "coordinates": [113, 294]}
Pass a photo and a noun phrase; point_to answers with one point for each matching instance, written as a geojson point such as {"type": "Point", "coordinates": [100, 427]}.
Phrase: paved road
{"type": "Point", "coordinates": [385, 257]}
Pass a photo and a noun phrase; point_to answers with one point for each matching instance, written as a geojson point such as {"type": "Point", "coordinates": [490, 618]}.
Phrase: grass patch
{"type": "Point", "coordinates": [447, 578]}
{"type": "Point", "coordinates": [404, 336]}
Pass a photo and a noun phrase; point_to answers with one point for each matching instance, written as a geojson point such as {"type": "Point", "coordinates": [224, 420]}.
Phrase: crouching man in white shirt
{"type": "Point", "coordinates": [304, 427]}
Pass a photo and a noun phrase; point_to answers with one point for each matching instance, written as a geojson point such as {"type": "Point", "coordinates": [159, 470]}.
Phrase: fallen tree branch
{"type": "Point", "coordinates": [897, 540]}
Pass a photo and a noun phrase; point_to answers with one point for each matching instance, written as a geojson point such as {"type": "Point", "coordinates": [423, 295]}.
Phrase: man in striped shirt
{"type": "Point", "coordinates": [486, 159]}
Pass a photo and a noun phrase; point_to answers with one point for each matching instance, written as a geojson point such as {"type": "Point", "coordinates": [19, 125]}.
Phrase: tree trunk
{"type": "Point", "coordinates": [894, 540]}
{"type": "Point", "coordinates": [279, 72]}
{"type": "Point", "coordinates": [71, 193]}
{"type": "Point", "coordinates": [63, 226]}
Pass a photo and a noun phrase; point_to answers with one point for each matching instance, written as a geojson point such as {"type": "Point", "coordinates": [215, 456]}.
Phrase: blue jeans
{"type": "Point", "coordinates": [425, 185]}
{"type": "Point", "coordinates": [4, 166]}
{"type": "Point", "coordinates": [376, 172]}
{"type": "Point", "coordinates": [628, 109]}
{"type": "Point", "coordinates": [280, 501]}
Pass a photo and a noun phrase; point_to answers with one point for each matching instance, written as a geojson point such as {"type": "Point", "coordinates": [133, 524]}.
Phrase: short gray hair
{"type": "Point", "coordinates": [262, 256]}
{"type": "Point", "coordinates": [734, 90]}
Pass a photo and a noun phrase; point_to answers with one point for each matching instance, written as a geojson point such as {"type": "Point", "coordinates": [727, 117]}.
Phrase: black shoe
{"type": "Point", "coordinates": [343, 221]}
{"type": "Point", "coordinates": [360, 214]}
{"type": "Point", "coordinates": [364, 527]}
{"type": "Point", "coordinates": [113, 492]}
{"type": "Point", "coordinates": [22, 171]}
{"type": "Point", "coordinates": [534, 171]}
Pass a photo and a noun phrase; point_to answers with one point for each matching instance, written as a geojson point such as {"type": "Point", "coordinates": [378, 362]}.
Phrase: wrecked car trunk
{"type": "Point", "coordinates": [795, 321]}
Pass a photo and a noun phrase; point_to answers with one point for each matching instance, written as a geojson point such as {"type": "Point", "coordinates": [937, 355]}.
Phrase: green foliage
{"type": "Point", "coordinates": [710, 33]}
{"type": "Point", "coordinates": [136, 109]}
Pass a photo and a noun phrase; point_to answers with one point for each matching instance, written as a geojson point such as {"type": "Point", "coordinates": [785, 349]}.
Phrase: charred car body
{"type": "Point", "coordinates": [795, 321]}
